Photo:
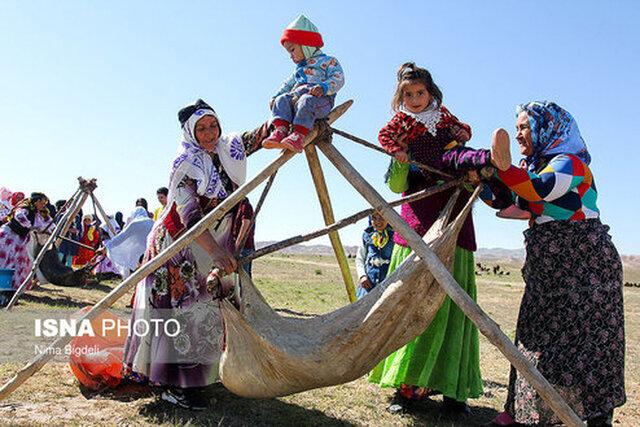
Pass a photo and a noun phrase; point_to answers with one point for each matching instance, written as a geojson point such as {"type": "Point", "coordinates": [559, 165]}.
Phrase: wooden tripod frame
{"type": "Point", "coordinates": [323, 141]}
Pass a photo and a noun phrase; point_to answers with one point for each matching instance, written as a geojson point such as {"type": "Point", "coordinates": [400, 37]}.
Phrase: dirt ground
{"type": "Point", "coordinates": [302, 285]}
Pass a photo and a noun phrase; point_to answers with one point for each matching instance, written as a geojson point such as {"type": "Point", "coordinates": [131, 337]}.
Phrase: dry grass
{"type": "Point", "coordinates": [298, 285]}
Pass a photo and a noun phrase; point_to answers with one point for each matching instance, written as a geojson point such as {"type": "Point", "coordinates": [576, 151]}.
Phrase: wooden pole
{"type": "Point", "coordinates": [216, 272]}
{"type": "Point", "coordinates": [66, 239]}
{"type": "Point", "coordinates": [68, 205]}
{"type": "Point", "coordinates": [263, 196]}
{"type": "Point", "coordinates": [327, 213]}
{"type": "Point", "coordinates": [36, 262]}
{"type": "Point", "coordinates": [346, 221]}
{"type": "Point", "coordinates": [383, 151]}
{"type": "Point", "coordinates": [36, 364]}
{"type": "Point", "coordinates": [484, 323]}
{"type": "Point", "coordinates": [207, 221]}
{"type": "Point", "coordinates": [104, 214]}
{"type": "Point", "coordinates": [75, 209]}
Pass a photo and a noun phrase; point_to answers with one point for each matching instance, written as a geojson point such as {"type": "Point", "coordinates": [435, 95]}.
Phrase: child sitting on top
{"type": "Point", "coordinates": [424, 129]}
{"type": "Point", "coordinates": [309, 93]}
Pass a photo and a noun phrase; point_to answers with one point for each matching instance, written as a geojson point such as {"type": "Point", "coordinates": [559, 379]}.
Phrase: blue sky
{"type": "Point", "coordinates": [93, 88]}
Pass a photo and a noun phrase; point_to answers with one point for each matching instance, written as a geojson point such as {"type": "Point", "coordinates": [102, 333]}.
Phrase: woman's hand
{"type": "Point", "coordinates": [317, 91]}
{"type": "Point", "coordinates": [401, 156]}
{"type": "Point", "coordinates": [220, 257]}
{"type": "Point", "coordinates": [271, 103]}
{"type": "Point", "coordinates": [224, 260]}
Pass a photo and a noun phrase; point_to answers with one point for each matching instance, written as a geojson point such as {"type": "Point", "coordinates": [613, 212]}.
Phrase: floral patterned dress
{"type": "Point", "coordinates": [571, 320]}
{"type": "Point", "coordinates": [13, 246]}
{"type": "Point", "coordinates": [187, 352]}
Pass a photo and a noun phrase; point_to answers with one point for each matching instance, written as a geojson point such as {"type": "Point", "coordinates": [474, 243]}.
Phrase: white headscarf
{"type": "Point", "coordinates": [194, 161]}
{"type": "Point", "coordinates": [429, 117]}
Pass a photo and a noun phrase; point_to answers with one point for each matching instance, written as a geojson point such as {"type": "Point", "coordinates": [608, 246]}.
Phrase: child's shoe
{"type": "Point", "coordinates": [513, 212]}
{"type": "Point", "coordinates": [274, 140]}
{"type": "Point", "coordinates": [294, 142]}
{"type": "Point", "coordinates": [500, 152]}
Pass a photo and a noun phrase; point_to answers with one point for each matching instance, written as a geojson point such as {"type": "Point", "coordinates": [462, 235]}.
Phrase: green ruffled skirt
{"type": "Point", "coordinates": [446, 356]}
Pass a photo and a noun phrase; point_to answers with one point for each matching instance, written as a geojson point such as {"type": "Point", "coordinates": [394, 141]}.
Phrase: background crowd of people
{"type": "Point", "coordinates": [113, 249]}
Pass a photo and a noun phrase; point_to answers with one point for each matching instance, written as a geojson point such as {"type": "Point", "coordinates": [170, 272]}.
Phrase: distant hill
{"type": "Point", "coordinates": [631, 260]}
{"type": "Point", "coordinates": [497, 255]}
{"type": "Point", "coordinates": [483, 254]}
{"type": "Point", "coordinates": [494, 255]}
{"type": "Point", "coordinates": [309, 249]}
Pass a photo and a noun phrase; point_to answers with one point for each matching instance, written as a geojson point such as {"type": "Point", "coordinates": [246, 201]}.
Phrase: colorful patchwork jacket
{"type": "Point", "coordinates": [320, 70]}
{"type": "Point", "coordinates": [564, 189]}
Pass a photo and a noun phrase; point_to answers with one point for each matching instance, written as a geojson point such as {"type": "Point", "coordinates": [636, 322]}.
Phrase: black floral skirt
{"type": "Point", "coordinates": [571, 321]}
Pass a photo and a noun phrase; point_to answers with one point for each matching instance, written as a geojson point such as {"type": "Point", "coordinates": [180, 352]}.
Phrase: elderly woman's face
{"type": "Point", "coordinates": [524, 134]}
{"type": "Point", "coordinates": [207, 132]}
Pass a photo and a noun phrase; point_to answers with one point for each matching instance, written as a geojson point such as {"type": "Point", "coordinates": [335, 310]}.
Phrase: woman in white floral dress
{"type": "Point", "coordinates": [185, 358]}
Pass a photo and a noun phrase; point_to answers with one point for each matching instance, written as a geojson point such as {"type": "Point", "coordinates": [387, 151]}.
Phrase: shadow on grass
{"type": "Point", "coordinates": [126, 392]}
{"type": "Point", "coordinates": [47, 300]}
{"type": "Point", "coordinates": [492, 384]}
{"type": "Point", "coordinates": [429, 412]}
{"type": "Point", "coordinates": [227, 409]}
{"type": "Point", "coordinates": [96, 285]}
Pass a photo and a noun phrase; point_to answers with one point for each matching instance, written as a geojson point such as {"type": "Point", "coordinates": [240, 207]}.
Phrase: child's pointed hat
{"type": "Point", "coordinates": [302, 31]}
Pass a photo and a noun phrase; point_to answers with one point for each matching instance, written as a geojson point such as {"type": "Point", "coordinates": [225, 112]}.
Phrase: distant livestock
{"type": "Point", "coordinates": [496, 269]}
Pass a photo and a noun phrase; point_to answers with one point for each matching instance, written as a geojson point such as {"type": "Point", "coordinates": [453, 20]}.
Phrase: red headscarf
{"type": "Point", "coordinates": [16, 198]}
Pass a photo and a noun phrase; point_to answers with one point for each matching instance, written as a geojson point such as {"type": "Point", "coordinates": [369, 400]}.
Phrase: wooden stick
{"type": "Point", "coordinates": [327, 213]}
{"type": "Point", "coordinates": [382, 150]}
{"type": "Point", "coordinates": [68, 205]}
{"type": "Point", "coordinates": [207, 221]}
{"type": "Point", "coordinates": [346, 221]}
{"type": "Point", "coordinates": [66, 239]}
{"type": "Point", "coordinates": [36, 262]}
{"type": "Point", "coordinates": [484, 323]}
{"type": "Point", "coordinates": [103, 213]}
{"type": "Point", "coordinates": [106, 302]}
{"type": "Point", "coordinates": [263, 196]}
{"type": "Point", "coordinates": [213, 279]}
{"type": "Point", "coordinates": [75, 209]}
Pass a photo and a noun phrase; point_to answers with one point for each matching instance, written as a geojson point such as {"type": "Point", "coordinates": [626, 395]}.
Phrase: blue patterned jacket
{"type": "Point", "coordinates": [320, 70]}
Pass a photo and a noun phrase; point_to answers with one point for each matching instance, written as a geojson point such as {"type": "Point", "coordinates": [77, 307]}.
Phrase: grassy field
{"type": "Point", "coordinates": [294, 285]}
